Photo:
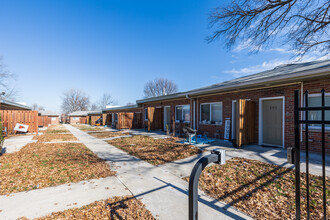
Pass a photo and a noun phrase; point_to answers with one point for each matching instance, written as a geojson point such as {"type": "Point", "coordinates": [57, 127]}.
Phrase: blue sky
{"type": "Point", "coordinates": [116, 47]}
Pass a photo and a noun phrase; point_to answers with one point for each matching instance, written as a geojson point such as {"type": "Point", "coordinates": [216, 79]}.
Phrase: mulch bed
{"type": "Point", "coordinates": [125, 207]}
{"type": "Point", "coordinates": [55, 137]}
{"type": "Point", "coordinates": [106, 134]}
{"type": "Point", "coordinates": [262, 190]}
{"type": "Point", "coordinates": [155, 151]}
{"type": "Point", "coordinates": [39, 165]}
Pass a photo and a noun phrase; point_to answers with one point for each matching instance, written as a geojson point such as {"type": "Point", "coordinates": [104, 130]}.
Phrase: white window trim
{"type": "Point", "coordinates": [261, 121]}
{"type": "Point", "coordinates": [145, 115]}
{"type": "Point", "coordinates": [315, 128]}
{"type": "Point", "coordinates": [210, 103]}
{"type": "Point", "coordinates": [182, 113]}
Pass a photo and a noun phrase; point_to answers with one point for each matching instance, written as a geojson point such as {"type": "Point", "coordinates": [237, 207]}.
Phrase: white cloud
{"type": "Point", "coordinates": [267, 65]}
{"type": "Point", "coordinates": [245, 45]}
{"type": "Point", "coordinates": [255, 68]}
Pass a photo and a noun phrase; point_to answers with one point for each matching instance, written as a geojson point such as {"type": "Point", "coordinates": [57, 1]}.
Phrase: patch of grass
{"type": "Point", "coordinates": [124, 207]}
{"type": "Point", "coordinates": [56, 129]}
{"type": "Point", "coordinates": [106, 134]}
{"type": "Point", "coordinates": [88, 128]}
{"type": "Point", "coordinates": [55, 137]}
{"type": "Point", "coordinates": [262, 190]}
{"type": "Point", "coordinates": [155, 151]}
{"type": "Point", "coordinates": [39, 165]}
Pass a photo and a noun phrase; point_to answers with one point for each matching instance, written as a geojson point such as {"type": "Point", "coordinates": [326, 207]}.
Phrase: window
{"type": "Point", "coordinates": [53, 119]}
{"type": "Point", "coordinates": [76, 118]}
{"type": "Point", "coordinates": [146, 114]}
{"type": "Point", "coordinates": [211, 113]}
{"type": "Point", "coordinates": [315, 101]}
{"type": "Point", "coordinates": [182, 113]}
{"type": "Point", "coordinates": [116, 117]}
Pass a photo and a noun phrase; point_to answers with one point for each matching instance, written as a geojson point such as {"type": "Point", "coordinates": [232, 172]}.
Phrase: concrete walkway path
{"type": "Point", "coordinates": [15, 143]}
{"type": "Point", "coordinates": [273, 155]}
{"type": "Point", "coordinates": [163, 193]}
{"type": "Point", "coordinates": [41, 202]}
{"type": "Point", "coordinates": [183, 167]}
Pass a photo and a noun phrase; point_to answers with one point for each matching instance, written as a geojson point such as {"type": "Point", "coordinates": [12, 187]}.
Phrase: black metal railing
{"type": "Point", "coordinates": [216, 156]}
{"type": "Point", "coordinates": [306, 122]}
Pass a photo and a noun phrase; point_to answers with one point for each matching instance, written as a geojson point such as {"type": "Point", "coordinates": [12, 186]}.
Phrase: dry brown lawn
{"type": "Point", "coordinates": [125, 207]}
{"type": "Point", "coordinates": [155, 151]}
{"type": "Point", "coordinates": [55, 137]}
{"type": "Point", "coordinates": [262, 190]}
{"type": "Point", "coordinates": [106, 134]}
{"type": "Point", "coordinates": [88, 128]}
{"type": "Point", "coordinates": [39, 165]}
{"type": "Point", "coordinates": [56, 129]}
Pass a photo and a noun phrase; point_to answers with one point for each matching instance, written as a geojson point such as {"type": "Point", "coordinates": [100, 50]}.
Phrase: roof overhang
{"type": "Point", "coordinates": [14, 104]}
{"type": "Point", "coordinates": [268, 82]}
{"type": "Point", "coordinates": [121, 108]}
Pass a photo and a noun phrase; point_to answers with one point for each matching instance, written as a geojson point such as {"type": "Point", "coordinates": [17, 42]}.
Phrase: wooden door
{"type": "Point", "coordinates": [137, 120]}
{"type": "Point", "coordinates": [272, 122]}
{"type": "Point", "coordinates": [245, 128]}
{"type": "Point", "coordinates": [158, 119]}
{"type": "Point", "coordinates": [167, 118]}
{"type": "Point", "coordinates": [126, 120]}
{"type": "Point", "coordinates": [151, 112]}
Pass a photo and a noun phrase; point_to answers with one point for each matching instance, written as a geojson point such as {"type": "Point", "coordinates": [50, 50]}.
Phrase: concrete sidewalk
{"type": "Point", "coordinates": [15, 143]}
{"type": "Point", "coordinates": [163, 193]}
{"type": "Point", "coordinates": [41, 202]}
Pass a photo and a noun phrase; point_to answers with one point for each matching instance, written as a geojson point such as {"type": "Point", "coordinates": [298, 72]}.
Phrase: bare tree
{"type": "Point", "coordinates": [37, 107]}
{"type": "Point", "coordinates": [105, 100]}
{"type": "Point", "coordinates": [6, 76]}
{"type": "Point", "coordinates": [301, 24]}
{"type": "Point", "coordinates": [94, 107]}
{"type": "Point", "coordinates": [74, 100]}
{"type": "Point", "coordinates": [158, 87]}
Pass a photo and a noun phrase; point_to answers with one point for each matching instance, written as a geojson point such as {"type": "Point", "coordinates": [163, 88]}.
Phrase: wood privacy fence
{"type": "Point", "coordinates": [93, 119]}
{"type": "Point", "coordinates": [246, 117]}
{"type": "Point", "coordinates": [10, 118]}
{"type": "Point", "coordinates": [44, 121]}
{"type": "Point", "coordinates": [129, 120]}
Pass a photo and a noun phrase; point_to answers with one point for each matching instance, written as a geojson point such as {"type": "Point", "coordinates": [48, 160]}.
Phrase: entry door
{"type": "Point", "coordinates": [272, 117]}
{"type": "Point", "coordinates": [151, 112]}
{"type": "Point", "coordinates": [234, 122]}
{"type": "Point", "coordinates": [167, 117]}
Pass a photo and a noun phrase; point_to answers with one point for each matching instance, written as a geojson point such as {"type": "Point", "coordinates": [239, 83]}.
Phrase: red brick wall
{"type": "Point", "coordinates": [287, 91]}
{"type": "Point", "coordinates": [75, 119]}
{"type": "Point", "coordinates": [254, 95]}
{"type": "Point", "coordinates": [172, 105]}
{"type": "Point", "coordinates": [54, 120]}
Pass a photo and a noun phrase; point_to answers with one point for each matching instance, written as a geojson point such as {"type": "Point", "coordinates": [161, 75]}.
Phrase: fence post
{"type": "Point", "coordinates": [297, 151]}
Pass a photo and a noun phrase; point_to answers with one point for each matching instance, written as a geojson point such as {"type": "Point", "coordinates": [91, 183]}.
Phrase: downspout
{"type": "Point", "coordinates": [194, 119]}
{"type": "Point", "coordinates": [194, 113]}
{"type": "Point", "coordinates": [301, 105]}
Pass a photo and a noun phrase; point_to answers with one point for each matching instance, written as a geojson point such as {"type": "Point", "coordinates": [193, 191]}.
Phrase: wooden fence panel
{"type": "Point", "coordinates": [44, 121]}
{"type": "Point", "coordinates": [245, 122]}
{"type": "Point", "coordinates": [83, 120]}
{"type": "Point", "coordinates": [137, 121]}
{"type": "Point", "coordinates": [11, 117]}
